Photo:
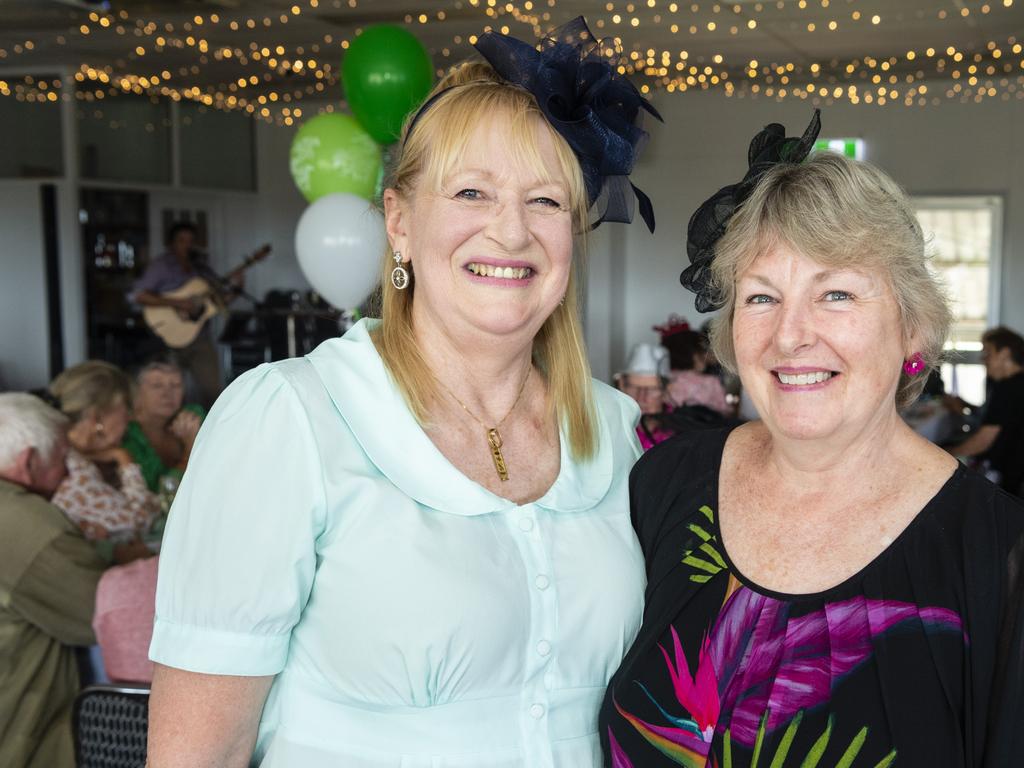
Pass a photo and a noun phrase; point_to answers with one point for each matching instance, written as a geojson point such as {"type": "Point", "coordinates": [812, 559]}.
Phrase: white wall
{"type": "Point", "coordinates": [269, 217]}
{"type": "Point", "coordinates": [24, 328]}
{"type": "Point", "coordinates": [948, 149]}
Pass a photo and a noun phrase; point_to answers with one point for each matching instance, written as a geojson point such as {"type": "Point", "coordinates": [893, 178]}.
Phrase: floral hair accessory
{"type": "Point", "coordinates": [574, 79]}
{"type": "Point", "coordinates": [675, 324]}
{"type": "Point", "coordinates": [596, 110]}
{"type": "Point", "coordinates": [708, 223]}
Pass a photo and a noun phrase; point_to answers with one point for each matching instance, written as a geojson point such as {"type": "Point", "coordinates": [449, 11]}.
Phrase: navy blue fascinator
{"type": "Point", "coordinates": [594, 108]}
{"type": "Point", "coordinates": [708, 223]}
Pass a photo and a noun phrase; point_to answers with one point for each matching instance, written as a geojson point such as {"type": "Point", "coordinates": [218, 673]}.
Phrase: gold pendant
{"type": "Point", "coordinates": [494, 440]}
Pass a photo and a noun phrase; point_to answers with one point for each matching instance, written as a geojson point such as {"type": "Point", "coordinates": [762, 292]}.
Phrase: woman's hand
{"type": "Point", "coordinates": [114, 453]}
{"type": "Point", "coordinates": [185, 427]}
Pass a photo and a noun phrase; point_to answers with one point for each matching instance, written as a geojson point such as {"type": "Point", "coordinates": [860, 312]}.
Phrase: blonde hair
{"type": "Point", "coordinates": [841, 213]}
{"type": "Point", "coordinates": [92, 385]}
{"type": "Point", "coordinates": [473, 93]}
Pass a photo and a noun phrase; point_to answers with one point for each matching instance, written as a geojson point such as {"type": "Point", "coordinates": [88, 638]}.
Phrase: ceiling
{"type": "Point", "coordinates": [263, 56]}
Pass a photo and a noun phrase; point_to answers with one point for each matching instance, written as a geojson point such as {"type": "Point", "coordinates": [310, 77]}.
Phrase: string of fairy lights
{"type": "Point", "coordinates": [270, 81]}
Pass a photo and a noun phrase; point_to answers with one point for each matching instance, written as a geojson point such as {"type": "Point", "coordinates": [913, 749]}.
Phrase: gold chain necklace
{"type": "Point", "coordinates": [492, 433]}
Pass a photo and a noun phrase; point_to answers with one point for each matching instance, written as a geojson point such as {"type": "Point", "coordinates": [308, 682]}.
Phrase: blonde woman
{"type": "Point", "coordinates": [412, 548]}
{"type": "Point", "coordinates": [104, 492]}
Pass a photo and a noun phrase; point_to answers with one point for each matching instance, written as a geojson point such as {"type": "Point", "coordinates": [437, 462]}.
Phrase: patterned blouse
{"type": "Point", "coordinates": [916, 661]}
{"type": "Point", "coordinates": [98, 508]}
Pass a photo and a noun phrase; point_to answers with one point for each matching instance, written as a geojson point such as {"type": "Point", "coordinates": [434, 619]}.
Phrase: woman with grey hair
{"type": "Point", "coordinates": [825, 587]}
{"type": "Point", "coordinates": [161, 434]}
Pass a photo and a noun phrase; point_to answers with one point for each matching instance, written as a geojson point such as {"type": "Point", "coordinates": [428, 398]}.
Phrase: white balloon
{"type": "Point", "coordinates": [340, 242]}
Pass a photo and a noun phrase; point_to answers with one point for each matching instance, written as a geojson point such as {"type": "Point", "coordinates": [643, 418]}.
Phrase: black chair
{"type": "Point", "coordinates": [109, 723]}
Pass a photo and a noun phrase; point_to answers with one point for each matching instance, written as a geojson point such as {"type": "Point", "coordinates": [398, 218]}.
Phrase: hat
{"type": "Point", "coordinates": [646, 360]}
{"type": "Point", "coordinates": [675, 324]}
{"type": "Point", "coordinates": [768, 149]}
{"type": "Point", "coordinates": [581, 90]}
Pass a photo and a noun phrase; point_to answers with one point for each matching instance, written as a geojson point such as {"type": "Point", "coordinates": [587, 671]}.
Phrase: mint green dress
{"type": "Point", "coordinates": [412, 618]}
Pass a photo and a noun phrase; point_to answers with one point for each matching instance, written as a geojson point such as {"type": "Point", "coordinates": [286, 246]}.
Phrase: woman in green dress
{"type": "Point", "coordinates": [161, 435]}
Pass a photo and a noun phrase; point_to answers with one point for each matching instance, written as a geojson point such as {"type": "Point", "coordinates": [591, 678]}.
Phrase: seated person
{"type": "Point", "coordinates": [999, 440]}
{"type": "Point", "coordinates": [644, 380]}
{"type": "Point", "coordinates": [689, 383]}
{"type": "Point", "coordinates": [104, 492]}
{"type": "Point", "coordinates": [160, 437]}
{"type": "Point", "coordinates": [48, 577]}
{"type": "Point", "coordinates": [123, 622]}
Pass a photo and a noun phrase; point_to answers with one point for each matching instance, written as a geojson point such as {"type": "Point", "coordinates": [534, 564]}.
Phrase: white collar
{"type": "Point", "coordinates": [362, 390]}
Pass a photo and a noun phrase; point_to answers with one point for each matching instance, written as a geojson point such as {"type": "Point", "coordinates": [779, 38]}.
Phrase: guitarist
{"type": "Point", "coordinates": [172, 269]}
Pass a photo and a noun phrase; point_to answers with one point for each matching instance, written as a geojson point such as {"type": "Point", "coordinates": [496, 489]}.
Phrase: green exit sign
{"type": "Point", "coordinates": [850, 147]}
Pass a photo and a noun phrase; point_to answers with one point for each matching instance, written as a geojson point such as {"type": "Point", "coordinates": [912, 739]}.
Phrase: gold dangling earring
{"type": "Point", "coordinates": [399, 276]}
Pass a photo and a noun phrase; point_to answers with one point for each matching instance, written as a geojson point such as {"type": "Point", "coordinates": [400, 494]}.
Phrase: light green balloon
{"type": "Point", "coordinates": [333, 153]}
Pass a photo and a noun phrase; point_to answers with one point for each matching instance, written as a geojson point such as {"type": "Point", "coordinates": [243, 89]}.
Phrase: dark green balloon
{"type": "Point", "coordinates": [386, 74]}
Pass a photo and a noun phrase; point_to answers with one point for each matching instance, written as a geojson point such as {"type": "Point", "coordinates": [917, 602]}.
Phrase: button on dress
{"type": "Point", "coordinates": [411, 617]}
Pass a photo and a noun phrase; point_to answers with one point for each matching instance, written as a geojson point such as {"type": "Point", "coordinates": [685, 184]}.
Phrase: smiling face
{"type": "Point", "coordinates": [819, 349]}
{"type": "Point", "coordinates": [491, 248]}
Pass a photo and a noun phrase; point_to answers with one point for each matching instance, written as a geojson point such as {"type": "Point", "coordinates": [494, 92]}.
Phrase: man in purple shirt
{"type": "Point", "coordinates": [170, 271]}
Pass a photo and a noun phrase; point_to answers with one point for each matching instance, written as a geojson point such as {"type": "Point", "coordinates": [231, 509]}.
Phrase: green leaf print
{"type": "Point", "coordinates": [815, 753]}
{"type": "Point", "coordinates": [712, 563]}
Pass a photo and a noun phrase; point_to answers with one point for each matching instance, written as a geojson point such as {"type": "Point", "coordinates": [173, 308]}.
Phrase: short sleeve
{"type": "Point", "coordinates": [239, 553]}
{"type": "Point", "coordinates": [645, 483]}
{"type": "Point", "coordinates": [1003, 737]}
{"type": "Point", "coordinates": [683, 466]}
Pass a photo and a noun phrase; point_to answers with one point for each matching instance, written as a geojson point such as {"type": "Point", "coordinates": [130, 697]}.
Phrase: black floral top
{"type": "Point", "coordinates": [917, 660]}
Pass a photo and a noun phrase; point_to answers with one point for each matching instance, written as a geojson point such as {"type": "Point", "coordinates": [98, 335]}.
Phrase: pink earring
{"type": "Point", "coordinates": [914, 364]}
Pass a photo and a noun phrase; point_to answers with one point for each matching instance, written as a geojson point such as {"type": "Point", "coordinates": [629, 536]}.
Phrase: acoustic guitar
{"type": "Point", "coordinates": [177, 327]}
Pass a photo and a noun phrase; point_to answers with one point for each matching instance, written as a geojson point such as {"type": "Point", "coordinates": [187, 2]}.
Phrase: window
{"type": "Point", "coordinates": [964, 239]}
{"type": "Point", "coordinates": [30, 127]}
{"type": "Point", "coordinates": [124, 137]}
{"type": "Point", "coordinates": [217, 148]}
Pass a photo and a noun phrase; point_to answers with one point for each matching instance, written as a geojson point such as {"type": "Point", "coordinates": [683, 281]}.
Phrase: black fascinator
{"type": "Point", "coordinates": [594, 108]}
{"type": "Point", "coordinates": [708, 223]}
